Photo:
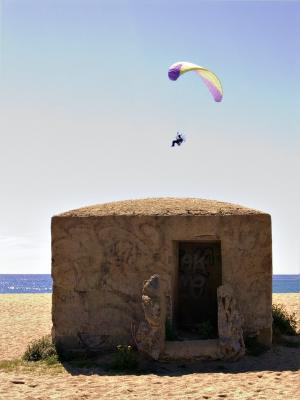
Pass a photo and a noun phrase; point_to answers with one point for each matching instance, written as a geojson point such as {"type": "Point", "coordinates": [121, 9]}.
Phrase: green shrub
{"type": "Point", "coordinates": [125, 358]}
{"type": "Point", "coordinates": [41, 350]}
{"type": "Point", "coordinates": [51, 360]}
{"type": "Point", "coordinates": [283, 322]}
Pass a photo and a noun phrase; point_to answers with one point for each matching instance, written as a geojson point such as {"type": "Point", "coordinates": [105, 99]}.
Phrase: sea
{"type": "Point", "coordinates": [38, 283]}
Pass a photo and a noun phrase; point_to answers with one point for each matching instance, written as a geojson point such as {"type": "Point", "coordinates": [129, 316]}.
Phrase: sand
{"type": "Point", "coordinates": [23, 317]}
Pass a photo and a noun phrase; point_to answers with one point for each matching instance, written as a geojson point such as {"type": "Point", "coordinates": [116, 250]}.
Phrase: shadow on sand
{"type": "Point", "coordinates": [279, 359]}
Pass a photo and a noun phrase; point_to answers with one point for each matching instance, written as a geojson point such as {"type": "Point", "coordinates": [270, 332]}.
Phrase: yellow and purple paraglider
{"type": "Point", "coordinates": [209, 78]}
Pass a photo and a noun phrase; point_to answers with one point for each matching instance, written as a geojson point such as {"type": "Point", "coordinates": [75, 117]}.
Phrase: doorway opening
{"type": "Point", "coordinates": [199, 276]}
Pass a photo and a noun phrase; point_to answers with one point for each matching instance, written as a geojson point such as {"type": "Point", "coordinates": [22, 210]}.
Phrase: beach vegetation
{"type": "Point", "coordinates": [51, 360]}
{"type": "Point", "coordinates": [283, 322]}
{"type": "Point", "coordinates": [42, 349]}
{"type": "Point", "coordinates": [10, 365]}
{"type": "Point", "coordinates": [20, 364]}
{"type": "Point", "coordinates": [124, 359]}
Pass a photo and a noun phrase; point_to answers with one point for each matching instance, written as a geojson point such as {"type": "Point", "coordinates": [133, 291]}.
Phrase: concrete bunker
{"type": "Point", "coordinates": [125, 271]}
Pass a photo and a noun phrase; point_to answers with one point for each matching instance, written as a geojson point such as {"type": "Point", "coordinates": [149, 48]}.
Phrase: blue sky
{"type": "Point", "coordinates": [88, 113]}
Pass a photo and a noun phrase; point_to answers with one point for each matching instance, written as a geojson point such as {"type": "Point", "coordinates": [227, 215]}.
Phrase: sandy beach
{"type": "Point", "coordinates": [24, 317]}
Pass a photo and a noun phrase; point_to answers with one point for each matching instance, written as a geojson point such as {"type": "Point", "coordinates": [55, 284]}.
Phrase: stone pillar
{"type": "Point", "coordinates": [229, 325]}
{"type": "Point", "coordinates": [150, 335]}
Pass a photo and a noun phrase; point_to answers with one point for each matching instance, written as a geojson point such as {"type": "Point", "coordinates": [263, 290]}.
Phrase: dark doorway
{"type": "Point", "coordinates": [199, 275]}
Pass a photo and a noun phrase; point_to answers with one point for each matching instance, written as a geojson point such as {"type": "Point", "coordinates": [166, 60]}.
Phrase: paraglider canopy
{"type": "Point", "coordinates": [209, 78]}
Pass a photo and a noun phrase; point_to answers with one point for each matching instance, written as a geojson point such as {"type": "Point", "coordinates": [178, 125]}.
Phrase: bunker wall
{"type": "Point", "coordinates": [99, 265]}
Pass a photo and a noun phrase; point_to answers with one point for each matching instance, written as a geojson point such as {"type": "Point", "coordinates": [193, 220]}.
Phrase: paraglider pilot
{"type": "Point", "coordinates": [178, 140]}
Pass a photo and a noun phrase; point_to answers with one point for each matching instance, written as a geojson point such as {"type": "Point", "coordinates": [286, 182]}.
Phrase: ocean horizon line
{"type": "Point", "coordinates": [42, 283]}
{"type": "Point", "coordinates": [18, 273]}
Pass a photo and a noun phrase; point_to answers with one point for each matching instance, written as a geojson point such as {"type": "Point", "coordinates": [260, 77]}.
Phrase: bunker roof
{"type": "Point", "coordinates": [161, 207]}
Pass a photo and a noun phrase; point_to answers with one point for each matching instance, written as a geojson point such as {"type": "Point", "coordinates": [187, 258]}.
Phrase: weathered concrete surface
{"type": "Point", "coordinates": [162, 207]}
{"type": "Point", "coordinates": [100, 260]}
{"type": "Point", "coordinates": [230, 323]}
{"type": "Point", "coordinates": [192, 349]}
{"type": "Point", "coordinates": [150, 336]}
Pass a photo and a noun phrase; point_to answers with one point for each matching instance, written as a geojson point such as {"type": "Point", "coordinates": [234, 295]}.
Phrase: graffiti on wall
{"type": "Point", "coordinates": [194, 270]}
